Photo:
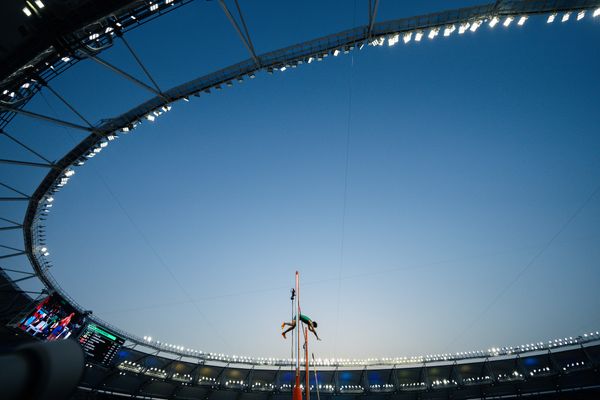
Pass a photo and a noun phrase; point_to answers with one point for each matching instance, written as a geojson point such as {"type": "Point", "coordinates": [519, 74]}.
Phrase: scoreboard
{"type": "Point", "coordinates": [99, 345]}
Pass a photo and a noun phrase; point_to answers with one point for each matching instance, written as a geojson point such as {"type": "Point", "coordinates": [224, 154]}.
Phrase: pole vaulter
{"type": "Point", "coordinates": [300, 331]}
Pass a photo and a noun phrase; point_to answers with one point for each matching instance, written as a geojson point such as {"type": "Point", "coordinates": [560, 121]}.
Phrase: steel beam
{"type": "Point", "coordinates": [10, 228]}
{"type": "Point", "coordinates": [134, 54]}
{"type": "Point", "coordinates": [3, 132]}
{"type": "Point", "coordinates": [124, 74]}
{"type": "Point", "coordinates": [12, 255]}
{"type": "Point", "coordinates": [372, 16]}
{"type": "Point", "coordinates": [245, 40]}
{"type": "Point", "coordinates": [45, 118]}
{"type": "Point", "coordinates": [26, 163]}
{"type": "Point", "coordinates": [10, 221]}
{"type": "Point", "coordinates": [14, 190]}
{"type": "Point", "coordinates": [66, 103]}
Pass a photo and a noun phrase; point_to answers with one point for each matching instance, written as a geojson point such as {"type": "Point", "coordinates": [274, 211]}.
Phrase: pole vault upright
{"type": "Point", "coordinates": [297, 392]}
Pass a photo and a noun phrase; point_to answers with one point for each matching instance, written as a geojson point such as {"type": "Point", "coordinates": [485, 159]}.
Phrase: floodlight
{"type": "Point", "coordinates": [406, 37]}
{"type": "Point", "coordinates": [150, 117]}
{"type": "Point", "coordinates": [393, 39]}
{"type": "Point", "coordinates": [336, 52]}
{"type": "Point", "coordinates": [449, 29]}
{"type": "Point", "coordinates": [596, 12]}
{"type": "Point", "coordinates": [475, 25]}
{"type": "Point", "coordinates": [551, 18]}
{"type": "Point", "coordinates": [26, 11]}
{"type": "Point", "coordinates": [494, 22]}
{"type": "Point", "coordinates": [433, 33]}
{"type": "Point", "coordinates": [310, 59]}
{"type": "Point", "coordinates": [565, 17]}
{"type": "Point", "coordinates": [580, 15]}
{"type": "Point", "coordinates": [522, 20]}
{"type": "Point", "coordinates": [39, 4]}
{"type": "Point", "coordinates": [463, 28]}
{"type": "Point", "coordinates": [507, 21]}
{"type": "Point", "coordinates": [418, 36]}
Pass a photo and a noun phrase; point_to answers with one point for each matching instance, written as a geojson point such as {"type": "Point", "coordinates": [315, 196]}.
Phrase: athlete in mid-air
{"type": "Point", "coordinates": [303, 318]}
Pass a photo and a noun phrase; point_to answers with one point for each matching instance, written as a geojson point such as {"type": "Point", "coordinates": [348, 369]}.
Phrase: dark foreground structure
{"type": "Point", "coordinates": [42, 39]}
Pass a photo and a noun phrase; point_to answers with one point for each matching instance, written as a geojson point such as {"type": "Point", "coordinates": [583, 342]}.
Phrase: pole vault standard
{"type": "Point", "coordinates": [297, 392]}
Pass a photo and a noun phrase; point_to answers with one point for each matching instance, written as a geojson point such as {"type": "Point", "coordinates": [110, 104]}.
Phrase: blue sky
{"type": "Point", "coordinates": [469, 218]}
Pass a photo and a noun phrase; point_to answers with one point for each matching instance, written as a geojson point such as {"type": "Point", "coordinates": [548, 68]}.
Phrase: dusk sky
{"type": "Point", "coordinates": [436, 197]}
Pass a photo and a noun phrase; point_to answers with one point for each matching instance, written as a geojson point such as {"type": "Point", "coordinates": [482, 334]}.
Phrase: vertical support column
{"type": "Point", "coordinates": [297, 392]}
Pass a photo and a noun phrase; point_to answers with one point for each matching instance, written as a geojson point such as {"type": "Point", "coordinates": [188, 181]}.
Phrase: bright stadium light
{"type": "Point", "coordinates": [522, 20]}
{"type": "Point", "coordinates": [150, 117]}
{"type": "Point", "coordinates": [475, 25]}
{"type": "Point", "coordinates": [418, 36]}
{"type": "Point", "coordinates": [507, 21]}
{"type": "Point", "coordinates": [39, 4]}
{"type": "Point", "coordinates": [26, 11]}
{"type": "Point", "coordinates": [393, 39]}
{"type": "Point", "coordinates": [336, 53]}
{"type": "Point", "coordinates": [596, 12]}
{"type": "Point", "coordinates": [433, 33]}
{"type": "Point", "coordinates": [449, 29]}
{"type": "Point", "coordinates": [565, 17]}
{"type": "Point", "coordinates": [551, 18]}
{"type": "Point", "coordinates": [580, 15]}
{"type": "Point", "coordinates": [494, 22]}
{"type": "Point", "coordinates": [407, 36]}
{"type": "Point", "coordinates": [463, 28]}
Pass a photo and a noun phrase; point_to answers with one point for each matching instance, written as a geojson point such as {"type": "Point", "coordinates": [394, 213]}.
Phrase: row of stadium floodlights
{"type": "Point", "coordinates": [95, 38]}
{"type": "Point", "coordinates": [131, 367]}
{"type": "Point", "coordinates": [41, 253]}
{"type": "Point", "coordinates": [492, 352]}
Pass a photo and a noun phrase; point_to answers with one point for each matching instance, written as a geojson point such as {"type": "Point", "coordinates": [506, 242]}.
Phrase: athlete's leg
{"type": "Point", "coordinates": [291, 328]}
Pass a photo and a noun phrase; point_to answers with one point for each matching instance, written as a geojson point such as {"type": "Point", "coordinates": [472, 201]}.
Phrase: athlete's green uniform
{"type": "Point", "coordinates": [305, 319]}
